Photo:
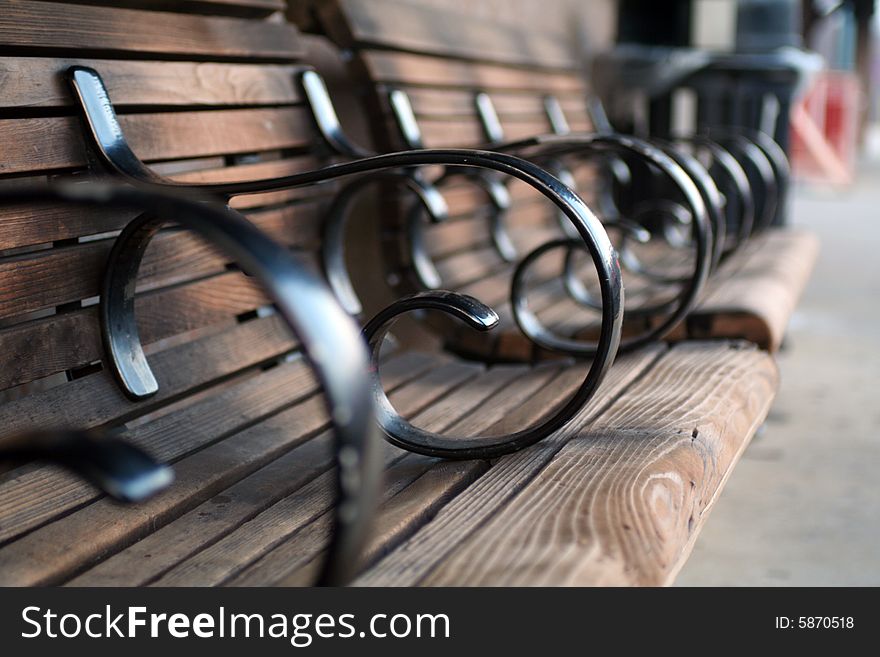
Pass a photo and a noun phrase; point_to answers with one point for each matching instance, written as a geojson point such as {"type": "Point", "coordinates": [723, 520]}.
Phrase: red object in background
{"type": "Point", "coordinates": [824, 129]}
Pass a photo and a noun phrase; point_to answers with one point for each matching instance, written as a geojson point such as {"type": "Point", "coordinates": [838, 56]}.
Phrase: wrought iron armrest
{"type": "Point", "coordinates": [629, 230]}
{"type": "Point", "coordinates": [730, 169]}
{"type": "Point", "coordinates": [591, 237]}
{"type": "Point", "coordinates": [684, 172]}
{"type": "Point", "coordinates": [333, 233]}
{"type": "Point", "coordinates": [679, 170]}
{"type": "Point", "coordinates": [339, 142]}
{"type": "Point", "coordinates": [121, 470]}
{"type": "Point", "coordinates": [765, 161]}
{"type": "Point", "coordinates": [110, 142]}
{"type": "Point", "coordinates": [404, 434]}
{"type": "Point", "coordinates": [329, 337]}
{"type": "Point", "coordinates": [326, 119]}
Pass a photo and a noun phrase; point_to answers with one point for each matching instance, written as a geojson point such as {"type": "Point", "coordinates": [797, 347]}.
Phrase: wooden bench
{"type": "Point", "coordinates": [447, 59]}
{"type": "Point", "coordinates": [238, 411]}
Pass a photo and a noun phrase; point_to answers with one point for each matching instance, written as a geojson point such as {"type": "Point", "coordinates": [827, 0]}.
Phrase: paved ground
{"type": "Point", "coordinates": [803, 506]}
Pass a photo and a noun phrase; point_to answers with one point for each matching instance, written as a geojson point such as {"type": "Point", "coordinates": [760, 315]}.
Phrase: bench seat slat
{"type": "Point", "coordinates": [755, 292]}
{"type": "Point", "coordinates": [230, 452]}
{"type": "Point", "coordinates": [627, 469]}
{"type": "Point", "coordinates": [621, 502]}
{"type": "Point", "coordinates": [304, 540]}
{"type": "Point", "coordinates": [267, 506]}
{"type": "Point", "coordinates": [414, 504]}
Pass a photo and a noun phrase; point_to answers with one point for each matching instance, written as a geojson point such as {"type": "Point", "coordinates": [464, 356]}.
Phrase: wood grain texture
{"type": "Point", "coordinates": [56, 143]}
{"type": "Point", "coordinates": [95, 400]}
{"type": "Point", "coordinates": [754, 293]}
{"type": "Point", "coordinates": [61, 342]}
{"type": "Point", "coordinates": [647, 459]}
{"type": "Point", "coordinates": [278, 530]}
{"type": "Point", "coordinates": [442, 483]}
{"type": "Point", "coordinates": [492, 491]}
{"type": "Point", "coordinates": [428, 71]}
{"type": "Point", "coordinates": [38, 224]}
{"type": "Point", "coordinates": [147, 560]}
{"type": "Point", "coordinates": [65, 26]}
{"type": "Point", "coordinates": [40, 82]}
{"type": "Point", "coordinates": [449, 31]}
{"type": "Point", "coordinates": [72, 273]}
{"type": "Point", "coordinates": [57, 550]}
{"type": "Point", "coordinates": [500, 389]}
{"type": "Point", "coordinates": [442, 103]}
{"type": "Point", "coordinates": [621, 501]}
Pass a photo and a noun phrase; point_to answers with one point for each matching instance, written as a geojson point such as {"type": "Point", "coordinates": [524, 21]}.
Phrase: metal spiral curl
{"type": "Point", "coordinates": [728, 174]}
{"type": "Point", "coordinates": [328, 336]}
{"type": "Point", "coordinates": [333, 233]}
{"type": "Point", "coordinates": [112, 148]}
{"type": "Point", "coordinates": [677, 169]}
{"type": "Point", "coordinates": [499, 199]}
{"type": "Point", "coordinates": [765, 169]}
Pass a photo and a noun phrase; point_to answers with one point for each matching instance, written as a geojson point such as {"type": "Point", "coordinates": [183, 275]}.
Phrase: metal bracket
{"type": "Point", "coordinates": [406, 119]}
{"type": "Point", "coordinates": [103, 124]}
{"type": "Point", "coordinates": [329, 338]}
{"type": "Point", "coordinates": [553, 110]}
{"type": "Point", "coordinates": [492, 129]}
{"type": "Point", "coordinates": [326, 119]}
{"type": "Point", "coordinates": [124, 472]}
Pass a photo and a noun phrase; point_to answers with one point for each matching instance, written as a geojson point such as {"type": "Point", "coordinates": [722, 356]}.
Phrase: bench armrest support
{"type": "Point", "coordinates": [328, 336]}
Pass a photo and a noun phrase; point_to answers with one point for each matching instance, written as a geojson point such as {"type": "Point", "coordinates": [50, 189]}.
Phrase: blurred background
{"type": "Point", "coordinates": [803, 506]}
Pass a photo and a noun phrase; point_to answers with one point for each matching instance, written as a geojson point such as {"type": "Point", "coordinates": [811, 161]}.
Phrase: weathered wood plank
{"type": "Point", "coordinates": [129, 32]}
{"type": "Point", "coordinates": [155, 555]}
{"type": "Point", "coordinates": [445, 31]}
{"type": "Point", "coordinates": [53, 277]}
{"type": "Point", "coordinates": [409, 562]}
{"type": "Point", "coordinates": [754, 294]}
{"type": "Point", "coordinates": [61, 342]}
{"type": "Point", "coordinates": [459, 103]}
{"type": "Point", "coordinates": [402, 513]}
{"type": "Point", "coordinates": [45, 223]}
{"type": "Point", "coordinates": [622, 501]}
{"type": "Point", "coordinates": [40, 82]}
{"type": "Point", "coordinates": [56, 143]}
{"type": "Point", "coordinates": [500, 389]}
{"type": "Point", "coordinates": [396, 67]}
{"type": "Point", "coordinates": [95, 400]}
{"type": "Point", "coordinates": [59, 549]}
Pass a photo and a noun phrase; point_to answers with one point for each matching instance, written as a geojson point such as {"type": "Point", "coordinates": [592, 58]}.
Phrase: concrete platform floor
{"type": "Point", "coordinates": [803, 505]}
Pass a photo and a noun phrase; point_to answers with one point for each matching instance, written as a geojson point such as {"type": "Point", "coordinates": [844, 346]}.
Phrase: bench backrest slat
{"type": "Point", "coordinates": [205, 91]}
{"type": "Point", "coordinates": [442, 55]}
{"type": "Point", "coordinates": [63, 27]}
